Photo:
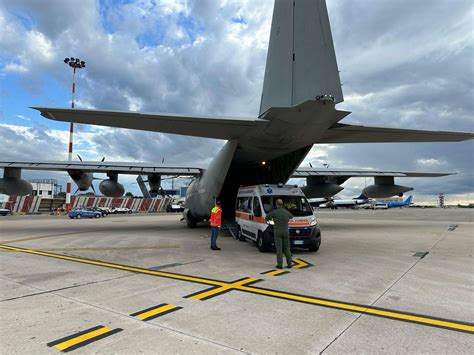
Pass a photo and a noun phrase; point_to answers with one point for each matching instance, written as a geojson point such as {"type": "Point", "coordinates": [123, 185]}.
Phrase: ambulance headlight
{"type": "Point", "coordinates": [271, 223]}
{"type": "Point", "coordinates": [313, 222]}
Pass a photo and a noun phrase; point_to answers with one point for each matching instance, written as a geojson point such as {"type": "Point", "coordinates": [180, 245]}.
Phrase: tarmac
{"type": "Point", "coordinates": [384, 281]}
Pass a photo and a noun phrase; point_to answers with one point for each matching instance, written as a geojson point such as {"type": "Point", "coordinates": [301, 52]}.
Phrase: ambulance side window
{"type": "Point", "coordinates": [257, 210]}
{"type": "Point", "coordinates": [244, 204]}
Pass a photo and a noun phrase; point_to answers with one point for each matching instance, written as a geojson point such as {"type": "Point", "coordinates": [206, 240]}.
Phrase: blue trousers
{"type": "Point", "coordinates": [214, 235]}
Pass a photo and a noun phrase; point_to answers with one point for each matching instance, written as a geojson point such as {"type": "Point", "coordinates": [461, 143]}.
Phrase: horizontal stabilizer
{"type": "Point", "coordinates": [198, 126]}
{"type": "Point", "coordinates": [343, 133]}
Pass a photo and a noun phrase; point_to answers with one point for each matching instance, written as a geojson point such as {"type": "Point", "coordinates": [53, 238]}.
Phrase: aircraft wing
{"type": "Point", "coordinates": [104, 167]}
{"type": "Point", "coordinates": [308, 172]}
{"type": "Point", "coordinates": [198, 126]}
{"type": "Point", "coordinates": [344, 133]}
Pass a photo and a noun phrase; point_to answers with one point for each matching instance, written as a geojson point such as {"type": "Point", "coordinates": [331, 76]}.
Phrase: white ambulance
{"type": "Point", "coordinates": [255, 202]}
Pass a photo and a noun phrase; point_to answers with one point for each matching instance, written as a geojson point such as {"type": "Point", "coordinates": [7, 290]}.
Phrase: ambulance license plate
{"type": "Point", "coordinates": [298, 242]}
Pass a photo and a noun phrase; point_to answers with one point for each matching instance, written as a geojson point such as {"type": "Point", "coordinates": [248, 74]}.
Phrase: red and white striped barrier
{"type": "Point", "coordinates": [31, 204]}
{"type": "Point", "coordinates": [26, 204]}
{"type": "Point", "coordinates": [135, 204]}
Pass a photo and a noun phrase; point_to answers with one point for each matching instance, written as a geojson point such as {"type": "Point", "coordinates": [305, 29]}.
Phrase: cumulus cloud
{"type": "Point", "coordinates": [403, 64]}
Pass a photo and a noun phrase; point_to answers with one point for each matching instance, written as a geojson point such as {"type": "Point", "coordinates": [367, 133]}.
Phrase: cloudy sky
{"type": "Point", "coordinates": [404, 64]}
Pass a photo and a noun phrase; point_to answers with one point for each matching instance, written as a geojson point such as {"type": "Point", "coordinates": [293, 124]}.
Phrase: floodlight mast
{"type": "Point", "coordinates": [74, 63]}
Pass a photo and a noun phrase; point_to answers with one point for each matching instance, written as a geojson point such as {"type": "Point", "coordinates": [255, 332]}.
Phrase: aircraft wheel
{"type": "Point", "coordinates": [191, 221]}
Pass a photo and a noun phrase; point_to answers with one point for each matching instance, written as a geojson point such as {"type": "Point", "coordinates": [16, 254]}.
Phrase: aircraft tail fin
{"type": "Point", "coordinates": [362, 197]}
{"type": "Point", "coordinates": [409, 199]}
{"type": "Point", "coordinates": [301, 62]}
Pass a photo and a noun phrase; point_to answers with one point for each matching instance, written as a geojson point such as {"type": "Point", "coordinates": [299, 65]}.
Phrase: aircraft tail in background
{"type": "Point", "coordinates": [409, 200]}
{"type": "Point", "coordinates": [301, 61]}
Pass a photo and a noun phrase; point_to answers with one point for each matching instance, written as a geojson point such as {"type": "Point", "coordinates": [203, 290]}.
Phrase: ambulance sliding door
{"type": "Point", "coordinates": [245, 214]}
{"type": "Point", "coordinates": [256, 220]}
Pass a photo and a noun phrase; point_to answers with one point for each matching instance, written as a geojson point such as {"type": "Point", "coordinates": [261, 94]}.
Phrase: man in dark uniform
{"type": "Point", "coordinates": [280, 218]}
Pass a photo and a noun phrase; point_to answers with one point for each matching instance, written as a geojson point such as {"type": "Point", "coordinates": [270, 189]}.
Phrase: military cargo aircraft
{"type": "Point", "coordinates": [298, 109]}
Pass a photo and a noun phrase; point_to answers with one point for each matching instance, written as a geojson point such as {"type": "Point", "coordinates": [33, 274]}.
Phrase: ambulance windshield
{"type": "Point", "coordinates": [297, 205]}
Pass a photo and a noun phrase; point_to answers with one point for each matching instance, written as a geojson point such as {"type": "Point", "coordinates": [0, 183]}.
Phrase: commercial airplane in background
{"type": "Point", "coordinates": [335, 203]}
{"type": "Point", "coordinates": [407, 202]}
{"type": "Point", "coordinates": [298, 109]}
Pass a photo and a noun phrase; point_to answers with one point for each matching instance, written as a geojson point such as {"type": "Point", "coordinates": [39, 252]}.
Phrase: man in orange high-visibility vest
{"type": "Point", "coordinates": [216, 221]}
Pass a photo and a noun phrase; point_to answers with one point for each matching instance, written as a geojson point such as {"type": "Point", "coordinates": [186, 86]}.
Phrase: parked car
{"type": "Point", "coordinates": [102, 211]}
{"type": "Point", "coordinates": [79, 213]}
{"type": "Point", "coordinates": [4, 211]}
{"type": "Point", "coordinates": [174, 207]}
{"type": "Point", "coordinates": [116, 210]}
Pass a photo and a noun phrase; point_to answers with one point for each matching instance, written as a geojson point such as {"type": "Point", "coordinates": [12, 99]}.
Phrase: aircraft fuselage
{"type": "Point", "coordinates": [270, 155]}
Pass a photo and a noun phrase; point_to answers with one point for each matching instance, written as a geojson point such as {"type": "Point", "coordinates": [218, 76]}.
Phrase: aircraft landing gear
{"type": "Point", "coordinates": [190, 220]}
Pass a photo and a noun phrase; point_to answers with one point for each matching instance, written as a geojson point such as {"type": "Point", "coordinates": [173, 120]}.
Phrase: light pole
{"type": "Point", "coordinates": [74, 63]}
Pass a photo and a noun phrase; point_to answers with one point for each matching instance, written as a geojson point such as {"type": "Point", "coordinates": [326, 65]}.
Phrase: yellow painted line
{"type": "Point", "coordinates": [120, 267]}
{"type": "Point", "coordinates": [361, 309]}
{"type": "Point", "coordinates": [300, 263]}
{"type": "Point", "coordinates": [114, 248]}
{"type": "Point", "coordinates": [156, 311]}
{"type": "Point", "coordinates": [275, 272]}
{"type": "Point", "coordinates": [225, 288]}
{"type": "Point", "coordinates": [101, 249]}
{"type": "Point", "coordinates": [82, 338]}
{"type": "Point", "coordinates": [241, 286]}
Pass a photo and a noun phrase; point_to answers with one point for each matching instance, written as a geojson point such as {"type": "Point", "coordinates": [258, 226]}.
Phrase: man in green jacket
{"type": "Point", "coordinates": [280, 218]}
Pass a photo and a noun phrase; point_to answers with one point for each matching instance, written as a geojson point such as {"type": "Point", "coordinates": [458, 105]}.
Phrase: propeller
{"type": "Point", "coordinates": [94, 178]}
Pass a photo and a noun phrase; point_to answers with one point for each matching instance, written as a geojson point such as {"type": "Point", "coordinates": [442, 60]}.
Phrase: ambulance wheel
{"type": "Point", "coordinates": [240, 235]}
{"type": "Point", "coordinates": [262, 245]}
{"type": "Point", "coordinates": [315, 246]}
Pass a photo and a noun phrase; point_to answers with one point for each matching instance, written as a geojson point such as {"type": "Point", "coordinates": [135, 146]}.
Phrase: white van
{"type": "Point", "coordinates": [254, 202]}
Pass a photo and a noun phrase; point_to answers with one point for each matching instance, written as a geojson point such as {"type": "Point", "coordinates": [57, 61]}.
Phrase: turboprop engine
{"type": "Point", "coordinates": [82, 179]}
{"type": "Point", "coordinates": [12, 184]}
{"type": "Point", "coordinates": [317, 186]}
{"type": "Point", "coordinates": [111, 187]}
{"type": "Point", "coordinates": [384, 186]}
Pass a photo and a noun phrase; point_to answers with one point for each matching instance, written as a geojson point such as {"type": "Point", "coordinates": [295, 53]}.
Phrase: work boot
{"type": "Point", "coordinates": [215, 248]}
{"type": "Point", "coordinates": [291, 265]}
{"type": "Point", "coordinates": [279, 267]}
